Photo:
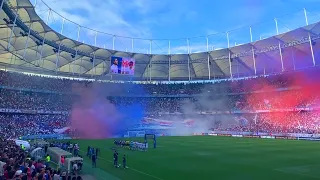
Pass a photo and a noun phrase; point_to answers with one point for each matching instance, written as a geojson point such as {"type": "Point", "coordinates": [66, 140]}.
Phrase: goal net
{"type": "Point", "coordinates": [150, 136]}
{"type": "Point", "coordinates": [136, 133]}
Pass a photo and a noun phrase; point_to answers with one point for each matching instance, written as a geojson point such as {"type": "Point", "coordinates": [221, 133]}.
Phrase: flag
{"type": "Point", "coordinates": [64, 130]}
{"type": "Point", "coordinates": [242, 120]}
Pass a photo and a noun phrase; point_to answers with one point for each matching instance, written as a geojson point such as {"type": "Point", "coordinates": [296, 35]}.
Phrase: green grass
{"type": "Point", "coordinates": [209, 158]}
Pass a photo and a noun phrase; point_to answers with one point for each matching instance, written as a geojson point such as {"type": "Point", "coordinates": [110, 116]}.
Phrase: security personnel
{"type": "Point", "coordinates": [124, 161]}
{"type": "Point", "coordinates": [48, 159]}
{"type": "Point", "coordinates": [22, 147]}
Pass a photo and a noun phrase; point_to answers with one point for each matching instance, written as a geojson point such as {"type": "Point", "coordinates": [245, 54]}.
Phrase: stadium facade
{"type": "Point", "coordinates": [29, 44]}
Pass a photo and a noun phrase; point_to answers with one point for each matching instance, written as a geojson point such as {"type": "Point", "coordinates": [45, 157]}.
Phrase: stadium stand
{"type": "Point", "coordinates": [30, 108]}
{"type": "Point", "coordinates": [39, 106]}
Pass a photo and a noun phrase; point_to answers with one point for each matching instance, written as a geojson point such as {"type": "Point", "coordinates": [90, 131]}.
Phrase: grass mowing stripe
{"type": "Point", "coordinates": [297, 173]}
{"type": "Point", "coordinates": [141, 172]}
{"type": "Point", "coordinates": [137, 171]}
{"type": "Point", "coordinates": [205, 158]}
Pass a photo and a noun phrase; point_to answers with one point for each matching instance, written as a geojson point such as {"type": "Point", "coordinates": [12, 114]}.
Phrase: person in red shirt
{"type": "Point", "coordinates": [29, 177]}
{"type": "Point", "coordinates": [62, 161]}
{"type": "Point", "coordinates": [6, 174]}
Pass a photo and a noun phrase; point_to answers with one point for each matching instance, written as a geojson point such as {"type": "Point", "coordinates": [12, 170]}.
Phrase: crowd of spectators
{"type": "Point", "coordinates": [11, 99]}
{"type": "Point", "coordinates": [30, 92]}
{"type": "Point", "coordinates": [16, 125]}
{"type": "Point", "coordinates": [16, 163]}
{"type": "Point", "coordinates": [34, 101]}
{"type": "Point", "coordinates": [18, 80]}
{"type": "Point", "coordinates": [284, 122]}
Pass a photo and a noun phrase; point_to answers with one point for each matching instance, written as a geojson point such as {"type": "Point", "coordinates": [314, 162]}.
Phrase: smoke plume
{"type": "Point", "coordinates": [94, 116]}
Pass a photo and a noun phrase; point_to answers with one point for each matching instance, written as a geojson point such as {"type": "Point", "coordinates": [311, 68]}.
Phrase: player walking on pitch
{"type": "Point", "coordinates": [124, 161]}
{"type": "Point", "coordinates": [115, 159]}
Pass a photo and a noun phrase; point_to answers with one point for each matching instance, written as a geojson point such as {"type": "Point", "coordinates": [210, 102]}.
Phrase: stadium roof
{"type": "Point", "coordinates": [38, 52]}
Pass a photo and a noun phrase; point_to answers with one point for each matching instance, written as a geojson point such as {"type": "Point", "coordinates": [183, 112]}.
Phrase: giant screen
{"type": "Point", "coordinates": [122, 65]}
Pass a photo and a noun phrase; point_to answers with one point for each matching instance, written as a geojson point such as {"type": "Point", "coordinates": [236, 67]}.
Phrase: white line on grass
{"type": "Point", "coordinates": [301, 174]}
{"type": "Point", "coordinates": [308, 165]}
{"type": "Point", "coordinates": [155, 177]}
{"type": "Point", "coordinates": [137, 171]}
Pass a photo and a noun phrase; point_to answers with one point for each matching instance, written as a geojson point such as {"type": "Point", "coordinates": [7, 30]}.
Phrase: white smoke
{"type": "Point", "coordinates": [191, 110]}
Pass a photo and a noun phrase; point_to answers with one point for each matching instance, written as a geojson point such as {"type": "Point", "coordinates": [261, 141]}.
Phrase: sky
{"type": "Point", "coordinates": [187, 23]}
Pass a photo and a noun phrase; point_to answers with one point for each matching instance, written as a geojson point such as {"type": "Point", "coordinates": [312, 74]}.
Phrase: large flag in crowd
{"type": "Point", "coordinates": [64, 130]}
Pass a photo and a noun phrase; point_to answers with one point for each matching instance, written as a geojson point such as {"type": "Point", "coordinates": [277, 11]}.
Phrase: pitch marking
{"type": "Point", "coordinates": [301, 174]}
{"type": "Point", "coordinates": [155, 177]}
{"type": "Point", "coordinates": [137, 171]}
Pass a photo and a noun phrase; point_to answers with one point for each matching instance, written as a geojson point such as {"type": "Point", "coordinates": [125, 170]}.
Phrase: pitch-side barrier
{"type": "Point", "coordinates": [290, 136]}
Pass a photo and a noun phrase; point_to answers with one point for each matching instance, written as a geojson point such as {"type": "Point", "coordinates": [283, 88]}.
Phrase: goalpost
{"type": "Point", "coordinates": [150, 136]}
{"type": "Point", "coordinates": [135, 133]}
{"type": "Point", "coordinates": [143, 134]}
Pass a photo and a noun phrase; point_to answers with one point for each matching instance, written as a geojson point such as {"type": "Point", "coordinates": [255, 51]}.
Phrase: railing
{"type": "Point", "coordinates": [189, 45]}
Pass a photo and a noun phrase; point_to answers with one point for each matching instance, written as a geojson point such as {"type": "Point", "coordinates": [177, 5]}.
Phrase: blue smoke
{"type": "Point", "coordinates": [131, 115]}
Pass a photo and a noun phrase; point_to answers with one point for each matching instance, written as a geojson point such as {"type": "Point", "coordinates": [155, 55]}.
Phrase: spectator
{"type": "Point", "coordinates": [56, 175]}
{"type": "Point", "coordinates": [2, 165]}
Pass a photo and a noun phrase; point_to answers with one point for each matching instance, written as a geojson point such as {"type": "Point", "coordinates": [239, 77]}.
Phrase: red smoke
{"type": "Point", "coordinates": [305, 93]}
{"type": "Point", "coordinates": [92, 115]}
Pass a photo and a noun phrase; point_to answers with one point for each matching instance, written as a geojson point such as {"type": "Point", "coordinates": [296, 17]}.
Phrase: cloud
{"type": "Point", "coordinates": [196, 48]}
{"type": "Point", "coordinates": [136, 19]}
{"type": "Point", "coordinates": [156, 19]}
{"type": "Point", "coordinates": [173, 14]}
{"type": "Point", "coordinates": [101, 15]}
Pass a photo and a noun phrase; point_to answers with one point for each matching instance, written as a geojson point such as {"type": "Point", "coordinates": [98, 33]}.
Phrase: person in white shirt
{"type": "Point", "coordinates": [114, 67]}
{"type": "Point", "coordinates": [131, 68]}
{"type": "Point", "coordinates": [1, 169]}
{"type": "Point", "coordinates": [75, 167]}
{"type": "Point", "coordinates": [128, 69]}
{"type": "Point", "coordinates": [33, 168]}
{"type": "Point", "coordinates": [56, 176]}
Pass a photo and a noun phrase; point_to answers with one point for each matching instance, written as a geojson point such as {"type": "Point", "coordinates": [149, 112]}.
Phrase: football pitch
{"type": "Point", "coordinates": [209, 158]}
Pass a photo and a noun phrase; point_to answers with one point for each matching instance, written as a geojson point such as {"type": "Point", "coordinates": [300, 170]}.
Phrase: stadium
{"type": "Point", "coordinates": [227, 111]}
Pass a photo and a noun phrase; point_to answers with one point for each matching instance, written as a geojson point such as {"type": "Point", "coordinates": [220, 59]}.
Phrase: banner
{"type": "Point", "coordinates": [10, 110]}
{"type": "Point", "coordinates": [308, 139]}
{"type": "Point", "coordinates": [236, 135]}
{"type": "Point", "coordinates": [281, 137]}
{"type": "Point", "coordinates": [197, 134]}
{"type": "Point", "coordinates": [44, 136]}
{"type": "Point", "coordinates": [64, 130]}
{"type": "Point", "coordinates": [267, 137]}
{"type": "Point", "coordinates": [212, 134]}
{"type": "Point", "coordinates": [30, 111]}
{"type": "Point", "coordinates": [252, 136]}
{"type": "Point", "coordinates": [227, 135]}
{"type": "Point", "coordinates": [52, 112]}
